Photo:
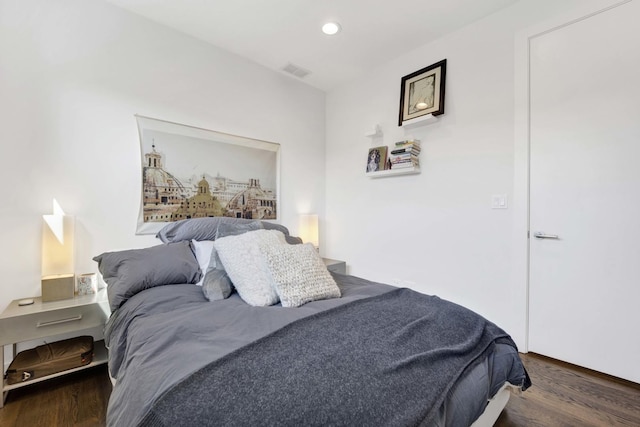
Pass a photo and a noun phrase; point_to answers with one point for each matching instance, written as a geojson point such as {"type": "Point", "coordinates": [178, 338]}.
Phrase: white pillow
{"type": "Point", "coordinates": [203, 251]}
{"type": "Point", "coordinates": [299, 274]}
{"type": "Point", "coordinates": [242, 258]}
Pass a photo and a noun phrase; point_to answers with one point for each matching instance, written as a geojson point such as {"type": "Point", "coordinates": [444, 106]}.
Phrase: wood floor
{"type": "Point", "coordinates": [78, 399]}
{"type": "Point", "coordinates": [561, 395]}
{"type": "Point", "coordinates": [567, 395]}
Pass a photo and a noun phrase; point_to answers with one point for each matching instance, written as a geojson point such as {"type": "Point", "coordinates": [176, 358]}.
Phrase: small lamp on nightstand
{"type": "Point", "coordinates": [57, 255]}
{"type": "Point", "coordinates": [308, 229]}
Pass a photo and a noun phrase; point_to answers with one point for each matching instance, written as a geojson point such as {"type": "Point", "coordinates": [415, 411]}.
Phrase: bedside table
{"type": "Point", "coordinates": [46, 319]}
{"type": "Point", "coordinates": [335, 266]}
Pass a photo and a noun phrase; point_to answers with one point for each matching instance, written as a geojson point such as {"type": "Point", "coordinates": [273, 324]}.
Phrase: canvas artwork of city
{"type": "Point", "coordinates": [189, 177]}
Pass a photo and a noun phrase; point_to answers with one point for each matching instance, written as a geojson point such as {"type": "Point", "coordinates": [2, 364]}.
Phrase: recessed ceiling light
{"type": "Point", "coordinates": [331, 28]}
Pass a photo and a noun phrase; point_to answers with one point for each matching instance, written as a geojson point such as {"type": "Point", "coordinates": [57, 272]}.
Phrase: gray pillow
{"type": "Point", "coordinates": [131, 271]}
{"type": "Point", "coordinates": [243, 260]}
{"type": "Point", "coordinates": [217, 284]}
{"type": "Point", "coordinates": [226, 229]}
{"type": "Point", "coordinates": [207, 229]}
{"type": "Point", "coordinates": [299, 274]}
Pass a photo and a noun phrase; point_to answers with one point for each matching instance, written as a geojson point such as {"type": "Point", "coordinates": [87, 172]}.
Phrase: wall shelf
{"type": "Point", "coordinates": [375, 132]}
{"type": "Point", "coordinates": [420, 121]}
{"type": "Point", "coordinates": [394, 172]}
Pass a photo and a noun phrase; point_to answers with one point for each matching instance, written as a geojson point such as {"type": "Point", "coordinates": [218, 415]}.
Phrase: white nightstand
{"type": "Point", "coordinates": [335, 265]}
{"type": "Point", "coordinates": [46, 319]}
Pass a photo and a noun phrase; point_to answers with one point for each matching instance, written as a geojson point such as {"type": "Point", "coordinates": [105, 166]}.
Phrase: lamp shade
{"type": "Point", "coordinates": [308, 229]}
{"type": "Point", "coordinates": [57, 243]}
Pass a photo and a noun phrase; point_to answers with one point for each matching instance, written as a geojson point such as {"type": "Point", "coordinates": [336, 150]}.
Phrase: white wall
{"type": "Point", "coordinates": [74, 72]}
{"type": "Point", "coordinates": [436, 232]}
{"type": "Point", "coordinates": [72, 75]}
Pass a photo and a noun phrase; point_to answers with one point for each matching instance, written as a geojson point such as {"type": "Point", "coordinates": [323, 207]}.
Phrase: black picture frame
{"type": "Point", "coordinates": [422, 92]}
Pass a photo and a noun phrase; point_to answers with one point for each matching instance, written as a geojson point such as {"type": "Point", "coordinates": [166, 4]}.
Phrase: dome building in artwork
{"type": "Point", "coordinates": [166, 198]}
{"type": "Point", "coordinates": [203, 204]}
{"type": "Point", "coordinates": [162, 192]}
{"type": "Point", "coordinates": [253, 203]}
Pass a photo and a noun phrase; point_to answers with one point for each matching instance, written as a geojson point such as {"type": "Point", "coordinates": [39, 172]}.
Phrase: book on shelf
{"type": "Point", "coordinates": [415, 160]}
{"type": "Point", "coordinates": [413, 149]}
{"type": "Point", "coordinates": [404, 156]}
{"type": "Point", "coordinates": [408, 142]}
{"type": "Point", "coordinates": [406, 147]}
{"type": "Point", "coordinates": [412, 160]}
{"type": "Point", "coordinates": [409, 146]}
{"type": "Point", "coordinates": [404, 165]}
{"type": "Point", "coordinates": [393, 165]}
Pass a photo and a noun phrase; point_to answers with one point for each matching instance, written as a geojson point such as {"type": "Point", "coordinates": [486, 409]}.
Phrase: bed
{"type": "Point", "coordinates": [190, 345]}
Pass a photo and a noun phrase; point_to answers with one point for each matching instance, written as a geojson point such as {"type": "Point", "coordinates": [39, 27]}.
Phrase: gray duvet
{"type": "Point", "coordinates": [160, 337]}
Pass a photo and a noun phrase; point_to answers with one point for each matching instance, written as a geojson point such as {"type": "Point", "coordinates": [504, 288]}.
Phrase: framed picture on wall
{"type": "Point", "coordinates": [422, 92]}
{"type": "Point", "coordinates": [190, 172]}
{"type": "Point", "coordinates": [377, 159]}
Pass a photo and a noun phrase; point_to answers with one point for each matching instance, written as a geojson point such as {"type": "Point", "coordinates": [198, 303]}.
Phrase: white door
{"type": "Point", "coordinates": [584, 297]}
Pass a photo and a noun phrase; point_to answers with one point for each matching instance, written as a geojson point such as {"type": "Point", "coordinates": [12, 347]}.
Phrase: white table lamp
{"type": "Point", "coordinates": [57, 255]}
{"type": "Point", "coordinates": [308, 229]}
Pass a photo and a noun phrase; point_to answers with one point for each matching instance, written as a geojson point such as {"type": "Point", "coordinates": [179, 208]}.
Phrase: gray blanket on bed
{"type": "Point", "coordinates": [314, 372]}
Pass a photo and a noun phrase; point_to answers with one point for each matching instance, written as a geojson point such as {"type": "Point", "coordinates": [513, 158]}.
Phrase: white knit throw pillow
{"type": "Point", "coordinates": [299, 274]}
{"type": "Point", "coordinates": [242, 258]}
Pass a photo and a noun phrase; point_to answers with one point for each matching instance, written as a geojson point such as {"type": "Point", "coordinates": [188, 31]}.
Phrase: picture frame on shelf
{"type": "Point", "coordinates": [423, 92]}
{"type": "Point", "coordinates": [377, 159]}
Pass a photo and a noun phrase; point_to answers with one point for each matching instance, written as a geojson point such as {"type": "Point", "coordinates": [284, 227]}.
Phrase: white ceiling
{"type": "Point", "coordinates": [277, 32]}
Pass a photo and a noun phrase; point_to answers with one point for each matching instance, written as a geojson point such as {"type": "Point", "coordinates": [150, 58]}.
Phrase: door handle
{"type": "Point", "coordinates": [541, 235]}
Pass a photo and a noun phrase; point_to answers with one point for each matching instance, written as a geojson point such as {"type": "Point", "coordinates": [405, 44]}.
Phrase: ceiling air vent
{"type": "Point", "coordinates": [296, 71]}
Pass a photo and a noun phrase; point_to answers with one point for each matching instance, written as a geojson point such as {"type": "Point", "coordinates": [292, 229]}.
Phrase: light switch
{"type": "Point", "coordinates": [499, 201]}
